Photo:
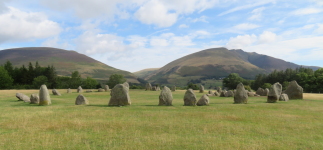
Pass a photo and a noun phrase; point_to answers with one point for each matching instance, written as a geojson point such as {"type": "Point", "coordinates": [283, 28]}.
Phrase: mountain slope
{"type": "Point", "coordinates": [145, 72]}
{"type": "Point", "coordinates": [64, 61]}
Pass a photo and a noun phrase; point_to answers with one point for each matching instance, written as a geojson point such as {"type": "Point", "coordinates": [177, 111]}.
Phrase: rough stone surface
{"type": "Point", "coordinates": [274, 93]}
{"type": "Point", "coordinates": [294, 91]}
{"type": "Point", "coordinates": [81, 100]}
{"type": "Point", "coordinates": [204, 100]}
{"type": "Point", "coordinates": [219, 89]}
{"type": "Point", "coordinates": [69, 90]}
{"type": "Point", "coordinates": [79, 89]}
{"type": "Point", "coordinates": [173, 88]}
{"type": "Point", "coordinates": [34, 99]}
{"type": "Point", "coordinates": [260, 91]}
{"type": "Point", "coordinates": [222, 93]}
{"type": "Point", "coordinates": [229, 94]}
{"type": "Point", "coordinates": [88, 91]}
{"type": "Point", "coordinates": [106, 88]}
{"type": "Point", "coordinates": [216, 93]}
{"type": "Point", "coordinates": [44, 98]}
{"type": "Point", "coordinates": [101, 90]}
{"type": "Point", "coordinates": [148, 87]}
{"type": "Point", "coordinates": [190, 98]}
{"type": "Point", "coordinates": [201, 89]}
{"type": "Point", "coordinates": [55, 92]}
{"type": "Point", "coordinates": [120, 96]}
{"type": "Point", "coordinates": [165, 97]}
{"type": "Point", "coordinates": [283, 97]}
{"type": "Point", "coordinates": [22, 97]}
{"type": "Point", "coordinates": [241, 95]}
{"type": "Point", "coordinates": [266, 92]}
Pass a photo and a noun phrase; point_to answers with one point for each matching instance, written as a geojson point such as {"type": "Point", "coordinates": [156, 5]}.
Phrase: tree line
{"type": "Point", "coordinates": [311, 81]}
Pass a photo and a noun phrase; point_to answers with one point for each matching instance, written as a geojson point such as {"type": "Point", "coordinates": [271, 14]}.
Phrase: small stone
{"type": "Point", "coordinates": [165, 97]}
{"type": "Point", "coordinates": [294, 91]}
{"type": "Point", "coordinates": [120, 96]}
{"type": "Point", "coordinates": [229, 94]}
{"type": "Point", "coordinates": [204, 100]}
{"type": "Point", "coordinates": [241, 95]}
{"type": "Point", "coordinates": [274, 93]}
{"type": "Point", "coordinates": [23, 97]}
{"type": "Point", "coordinates": [251, 94]}
{"type": "Point", "coordinates": [69, 90]}
{"type": "Point", "coordinates": [101, 90]}
{"type": "Point", "coordinates": [106, 88]}
{"type": "Point", "coordinates": [81, 100]}
{"type": "Point", "coordinates": [173, 88]}
{"type": "Point", "coordinates": [88, 91]}
{"type": "Point", "coordinates": [79, 89]}
{"type": "Point", "coordinates": [55, 92]}
{"type": "Point", "coordinates": [201, 89]}
{"type": "Point", "coordinates": [283, 97]}
{"type": "Point", "coordinates": [190, 98]}
{"type": "Point", "coordinates": [34, 99]}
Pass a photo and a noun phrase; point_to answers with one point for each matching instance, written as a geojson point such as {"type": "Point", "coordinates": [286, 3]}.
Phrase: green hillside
{"type": "Point", "coordinates": [145, 72]}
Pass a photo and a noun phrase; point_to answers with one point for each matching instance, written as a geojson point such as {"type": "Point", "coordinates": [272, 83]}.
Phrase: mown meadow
{"type": "Point", "coordinates": [296, 124]}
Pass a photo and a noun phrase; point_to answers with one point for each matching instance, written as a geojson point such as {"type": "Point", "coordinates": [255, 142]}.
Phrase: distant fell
{"type": "Point", "coordinates": [64, 61]}
{"type": "Point", "coordinates": [145, 72]}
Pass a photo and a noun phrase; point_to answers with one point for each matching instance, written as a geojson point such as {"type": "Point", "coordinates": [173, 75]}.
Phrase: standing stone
{"type": "Point", "coordinates": [283, 97]}
{"type": "Point", "coordinates": [229, 94]}
{"type": "Point", "coordinates": [34, 98]}
{"type": "Point", "coordinates": [216, 93]}
{"type": "Point", "coordinates": [106, 88]}
{"type": "Point", "coordinates": [251, 94]}
{"type": "Point", "coordinates": [79, 89]}
{"type": "Point", "coordinates": [210, 92]}
{"type": "Point", "coordinates": [44, 98]}
{"type": "Point", "coordinates": [204, 100]}
{"type": "Point", "coordinates": [55, 92]}
{"type": "Point", "coordinates": [153, 88]}
{"type": "Point", "coordinates": [201, 88]}
{"type": "Point", "coordinates": [274, 93]}
{"type": "Point", "coordinates": [266, 92]}
{"type": "Point", "coordinates": [294, 91]}
{"type": "Point", "coordinates": [101, 90]}
{"type": "Point", "coordinates": [120, 96]}
{"type": "Point", "coordinates": [69, 90]}
{"type": "Point", "coordinates": [173, 88]}
{"type": "Point", "coordinates": [222, 93]}
{"type": "Point", "coordinates": [157, 88]}
{"type": "Point", "coordinates": [260, 91]}
{"type": "Point", "coordinates": [148, 87]}
{"type": "Point", "coordinates": [190, 98]}
{"type": "Point", "coordinates": [219, 89]}
{"type": "Point", "coordinates": [241, 95]}
{"type": "Point", "coordinates": [81, 100]}
{"type": "Point", "coordinates": [23, 97]}
{"type": "Point", "coordinates": [165, 97]}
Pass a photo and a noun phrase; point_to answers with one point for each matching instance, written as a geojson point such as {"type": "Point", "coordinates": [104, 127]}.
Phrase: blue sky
{"type": "Point", "coordinates": [137, 34]}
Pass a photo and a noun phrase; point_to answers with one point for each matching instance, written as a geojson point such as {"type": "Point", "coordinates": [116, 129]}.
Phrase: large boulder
{"type": "Point", "coordinates": [241, 95]}
{"type": "Point", "coordinates": [69, 90]}
{"type": "Point", "coordinates": [266, 92]}
{"type": "Point", "coordinates": [120, 96]}
{"type": "Point", "coordinates": [190, 98]}
{"type": "Point", "coordinates": [260, 91]}
{"type": "Point", "coordinates": [173, 88]}
{"type": "Point", "coordinates": [201, 89]}
{"type": "Point", "coordinates": [101, 90]}
{"type": "Point", "coordinates": [283, 97]}
{"type": "Point", "coordinates": [23, 97]}
{"type": "Point", "coordinates": [294, 91]}
{"type": "Point", "coordinates": [81, 100]}
{"type": "Point", "coordinates": [229, 94]}
{"type": "Point", "coordinates": [55, 92]}
{"type": "Point", "coordinates": [165, 97]}
{"type": "Point", "coordinates": [79, 89]}
{"type": "Point", "coordinates": [106, 88]}
{"type": "Point", "coordinates": [204, 100]}
{"type": "Point", "coordinates": [274, 93]}
{"type": "Point", "coordinates": [148, 87]}
{"type": "Point", "coordinates": [34, 98]}
{"type": "Point", "coordinates": [219, 89]}
{"type": "Point", "coordinates": [44, 98]}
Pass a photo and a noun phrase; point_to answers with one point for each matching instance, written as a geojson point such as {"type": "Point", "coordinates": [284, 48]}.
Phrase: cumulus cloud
{"type": "Point", "coordinates": [256, 14]}
{"type": "Point", "coordinates": [267, 37]}
{"type": "Point", "coordinates": [241, 41]}
{"type": "Point", "coordinates": [183, 26]}
{"type": "Point", "coordinates": [245, 26]}
{"type": "Point", "coordinates": [306, 11]}
{"type": "Point", "coordinates": [19, 26]}
{"type": "Point", "coordinates": [201, 19]}
{"type": "Point", "coordinates": [319, 29]}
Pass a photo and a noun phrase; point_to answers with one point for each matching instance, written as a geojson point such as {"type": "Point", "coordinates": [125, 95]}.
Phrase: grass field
{"type": "Point", "coordinates": [296, 124]}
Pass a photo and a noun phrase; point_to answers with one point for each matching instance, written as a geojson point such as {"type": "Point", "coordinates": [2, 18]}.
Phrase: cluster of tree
{"type": "Point", "coordinates": [311, 81]}
{"type": "Point", "coordinates": [192, 86]}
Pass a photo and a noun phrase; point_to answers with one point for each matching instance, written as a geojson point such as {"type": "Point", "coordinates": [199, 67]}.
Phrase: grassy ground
{"type": "Point", "coordinates": [296, 124]}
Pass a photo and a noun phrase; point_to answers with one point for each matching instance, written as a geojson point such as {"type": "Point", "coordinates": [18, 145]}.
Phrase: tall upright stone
{"type": "Point", "coordinates": [55, 92]}
{"type": "Point", "coordinates": [190, 98]}
{"type": "Point", "coordinates": [34, 98]}
{"type": "Point", "coordinates": [81, 100]}
{"type": "Point", "coordinates": [201, 88]}
{"type": "Point", "coordinates": [241, 95]}
{"type": "Point", "coordinates": [274, 93]}
{"type": "Point", "coordinates": [294, 91]}
{"type": "Point", "coordinates": [120, 96]}
{"type": "Point", "coordinates": [148, 87]}
{"type": "Point", "coordinates": [204, 100]}
{"type": "Point", "coordinates": [79, 89]}
{"type": "Point", "coordinates": [69, 90]}
{"type": "Point", "coordinates": [173, 88]}
{"type": "Point", "coordinates": [23, 97]}
{"type": "Point", "coordinates": [44, 98]}
{"type": "Point", "coordinates": [165, 97]}
{"type": "Point", "coordinates": [106, 88]}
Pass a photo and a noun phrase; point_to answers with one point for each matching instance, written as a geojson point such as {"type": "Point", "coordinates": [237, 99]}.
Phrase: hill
{"type": "Point", "coordinates": [145, 72]}
{"type": "Point", "coordinates": [64, 61]}
{"type": "Point", "coordinates": [217, 63]}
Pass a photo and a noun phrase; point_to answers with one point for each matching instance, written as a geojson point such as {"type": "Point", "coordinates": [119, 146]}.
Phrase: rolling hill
{"type": "Point", "coordinates": [145, 72]}
{"type": "Point", "coordinates": [217, 63]}
{"type": "Point", "coordinates": [64, 61]}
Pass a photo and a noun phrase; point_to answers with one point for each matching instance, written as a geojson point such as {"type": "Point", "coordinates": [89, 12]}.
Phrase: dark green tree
{"type": "Point", "coordinates": [90, 83]}
{"type": "Point", "coordinates": [40, 80]}
{"type": "Point", "coordinates": [232, 81]}
{"type": "Point", "coordinates": [5, 79]}
{"type": "Point", "coordinates": [30, 73]}
{"type": "Point", "coordinates": [192, 86]}
{"type": "Point", "coordinates": [75, 80]}
{"type": "Point", "coordinates": [116, 79]}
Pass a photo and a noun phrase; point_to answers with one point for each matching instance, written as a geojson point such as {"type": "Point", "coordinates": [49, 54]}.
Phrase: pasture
{"type": "Point", "coordinates": [296, 124]}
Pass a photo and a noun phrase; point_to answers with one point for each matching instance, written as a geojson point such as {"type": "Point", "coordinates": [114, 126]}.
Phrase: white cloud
{"type": "Point", "coordinates": [319, 29]}
{"type": "Point", "coordinates": [201, 19]}
{"type": "Point", "coordinates": [306, 11]}
{"type": "Point", "coordinates": [254, 4]}
{"type": "Point", "coordinates": [241, 42]}
{"type": "Point", "coordinates": [267, 37]}
{"type": "Point", "coordinates": [245, 26]}
{"type": "Point", "coordinates": [319, 2]}
{"type": "Point", "coordinates": [19, 26]}
{"type": "Point", "coordinates": [257, 14]}
{"type": "Point", "coordinates": [3, 7]}
{"type": "Point", "coordinates": [55, 42]}
{"type": "Point", "coordinates": [183, 26]}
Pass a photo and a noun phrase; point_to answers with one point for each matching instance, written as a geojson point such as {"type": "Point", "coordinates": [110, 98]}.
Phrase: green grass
{"type": "Point", "coordinates": [296, 124]}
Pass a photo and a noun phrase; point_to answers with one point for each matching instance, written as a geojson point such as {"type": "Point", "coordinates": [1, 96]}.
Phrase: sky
{"type": "Point", "coordinates": [133, 35]}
